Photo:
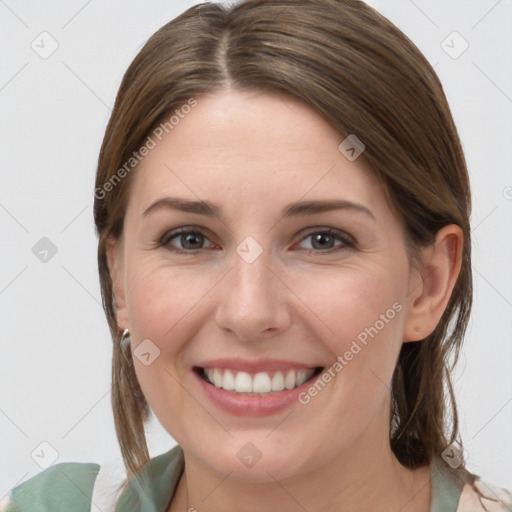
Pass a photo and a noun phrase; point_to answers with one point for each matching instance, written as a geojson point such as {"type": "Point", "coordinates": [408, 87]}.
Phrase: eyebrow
{"type": "Point", "coordinates": [297, 209]}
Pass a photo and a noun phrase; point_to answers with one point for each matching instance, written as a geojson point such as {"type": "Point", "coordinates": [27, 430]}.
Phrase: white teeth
{"type": "Point", "coordinates": [278, 382]}
{"type": "Point", "coordinates": [228, 381]}
{"type": "Point", "coordinates": [260, 383]}
{"type": "Point", "coordinates": [289, 381]}
{"type": "Point", "coordinates": [243, 383]}
{"type": "Point", "coordinates": [302, 376]}
{"type": "Point", "coordinates": [217, 378]}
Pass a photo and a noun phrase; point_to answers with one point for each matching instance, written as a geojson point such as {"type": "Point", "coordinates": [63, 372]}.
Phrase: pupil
{"type": "Point", "coordinates": [190, 237]}
{"type": "Point", "coordinates": [319, 237]}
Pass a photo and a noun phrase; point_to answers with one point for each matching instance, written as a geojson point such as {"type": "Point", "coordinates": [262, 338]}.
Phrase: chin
{"type": "Point", "coordinates": [246, 462]}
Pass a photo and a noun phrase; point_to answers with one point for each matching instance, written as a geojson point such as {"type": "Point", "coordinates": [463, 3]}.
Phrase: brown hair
{"type": "Point", "coordinates": [365, 77]}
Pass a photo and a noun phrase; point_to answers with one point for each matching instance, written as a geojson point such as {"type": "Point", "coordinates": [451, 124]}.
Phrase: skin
{"type": "Point", "coordinates": [253, 153]}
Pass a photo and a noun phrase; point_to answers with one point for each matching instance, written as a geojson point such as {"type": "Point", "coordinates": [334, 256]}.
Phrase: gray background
{"type": "Point", "coordinates": [56, 351]}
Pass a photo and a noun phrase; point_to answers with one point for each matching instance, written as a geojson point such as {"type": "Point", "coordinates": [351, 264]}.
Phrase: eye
{"type": "Point", "coordinates": [190, 240]}
{"type": "Point", "coordinates": [323, 240]}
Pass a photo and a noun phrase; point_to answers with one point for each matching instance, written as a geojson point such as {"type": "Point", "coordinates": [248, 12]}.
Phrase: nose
{"type": "Point", "coordinates": [254, 301]}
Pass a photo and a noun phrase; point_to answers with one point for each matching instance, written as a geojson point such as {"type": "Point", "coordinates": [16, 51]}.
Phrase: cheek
{"type": "Point", "coordinates": [161, 299]}
{"type": "Point", "coordinates": [160, 303]}
{"type": "Point", "coordinates": [355, 303]}
{"type": "Point", "coordinates": [166, 306]}
{"type": "Point", "coordinates": [362, 321]}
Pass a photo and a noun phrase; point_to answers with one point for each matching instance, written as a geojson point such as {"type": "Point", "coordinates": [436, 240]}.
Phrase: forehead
{"type": "Point", "coordinates": [257, 146]}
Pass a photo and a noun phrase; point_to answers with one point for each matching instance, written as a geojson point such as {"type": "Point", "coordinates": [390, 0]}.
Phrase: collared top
{"type": "Point", "coordinates": [90, 487]}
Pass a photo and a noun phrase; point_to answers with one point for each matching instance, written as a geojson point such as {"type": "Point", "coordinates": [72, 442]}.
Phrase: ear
{"type": "Point", "coordinates": [431, 286]}
{"type": "Point", "coordinates": [116, 266]}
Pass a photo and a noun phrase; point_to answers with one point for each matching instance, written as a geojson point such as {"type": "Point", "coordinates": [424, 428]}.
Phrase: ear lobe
{"type": "Point", "coordinates": [427, 302]}
{"type": "Point", "coordinates": [115, 265]}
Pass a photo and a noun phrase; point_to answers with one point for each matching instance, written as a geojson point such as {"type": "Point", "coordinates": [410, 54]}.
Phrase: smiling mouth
{"type": "Point", "coordinates": [257, 384]}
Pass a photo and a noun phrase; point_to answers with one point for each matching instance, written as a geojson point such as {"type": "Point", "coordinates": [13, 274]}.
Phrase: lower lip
{"type": "Point", "coordinates": [246, 405]}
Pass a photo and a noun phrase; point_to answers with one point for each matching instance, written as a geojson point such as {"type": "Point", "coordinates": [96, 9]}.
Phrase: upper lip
{"type": "Point", "coordinates": [254, 365]}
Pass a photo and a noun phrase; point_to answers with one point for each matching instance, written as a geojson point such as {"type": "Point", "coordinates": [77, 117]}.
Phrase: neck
{"type": "Point", "coordinates": [365, 478]}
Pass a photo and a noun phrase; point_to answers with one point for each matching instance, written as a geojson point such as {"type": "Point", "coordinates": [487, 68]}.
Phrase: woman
{"type": "Point", "coordinates": [282, 206]}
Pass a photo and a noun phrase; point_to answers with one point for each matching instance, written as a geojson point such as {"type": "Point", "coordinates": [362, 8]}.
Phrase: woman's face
{"type": "Point", "coordinates": [274, 281]}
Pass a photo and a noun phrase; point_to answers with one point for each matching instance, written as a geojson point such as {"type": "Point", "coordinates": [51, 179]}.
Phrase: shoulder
{"type": "Point", "coordinates": [90, 487]}
{"type": "Point", "coordinates": [452, 491]}
{"type": "Point", "coordinates": [61, 487]}
{"type": "Point", "coordinates": [496, 499]}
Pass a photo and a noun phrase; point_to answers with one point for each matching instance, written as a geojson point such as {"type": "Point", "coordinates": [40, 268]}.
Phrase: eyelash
{"type": "Point", "coordinates": [347, 242]}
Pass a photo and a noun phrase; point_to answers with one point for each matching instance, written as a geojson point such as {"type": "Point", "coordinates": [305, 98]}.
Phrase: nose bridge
{"type": "Point", "coordinates": [252, 300]}
{"type": "Point", "coordinates": [251, 275]}
{"type": "Point", "coordinates": [252, 285]}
